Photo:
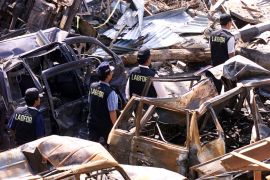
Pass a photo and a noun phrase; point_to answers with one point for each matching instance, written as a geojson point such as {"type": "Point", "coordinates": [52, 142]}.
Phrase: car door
{"type": "Point", "coordinates": [159, 142]}
{"type": "Point", "coordinates": [120, 137]}
{"type": "Point", "coordinates": [67, 95]}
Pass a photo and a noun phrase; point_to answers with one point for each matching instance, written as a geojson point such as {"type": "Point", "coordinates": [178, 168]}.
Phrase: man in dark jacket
{"type": "Point", "coordinates": [27, 122]}
{"type": "Point", "coordinates": [222, 42]}
{"type": "Point", "coordinates": [139, 75]}
{"type": "Point", "coordinates": [103, 104]}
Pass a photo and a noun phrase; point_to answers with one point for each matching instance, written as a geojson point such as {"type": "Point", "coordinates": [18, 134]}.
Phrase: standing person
{"type": "Point", "coordinates": [139, 76]}
{"type": "Point", "coordinates": [103, 104]}
{"type": "Point", "coordinates": [222, 42]}
{"type": "Point", "coordinates": [27, 122]}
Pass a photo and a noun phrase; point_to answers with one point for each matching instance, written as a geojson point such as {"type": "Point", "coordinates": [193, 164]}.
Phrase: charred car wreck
{"type": "Point", "coordinates": [176, 133]}
{"type": "Point", "coordinates": [59, 157]}
{"type": "Point", "coordinates": [63, 73]}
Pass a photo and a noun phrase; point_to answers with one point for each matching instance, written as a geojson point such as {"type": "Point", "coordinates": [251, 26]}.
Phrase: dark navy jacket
{"type": "Point", "coordinates": [137, 81]}
{"type": "Point", "coordinates": [100, 115]}
{"type": "Point", "coordinates": [28, 124]}
{"type": "Point", "coordinates": [219, 46]}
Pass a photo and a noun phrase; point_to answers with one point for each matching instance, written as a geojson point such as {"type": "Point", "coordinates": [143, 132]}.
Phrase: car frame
{"type": "Point", "coordinates": [198, 107]}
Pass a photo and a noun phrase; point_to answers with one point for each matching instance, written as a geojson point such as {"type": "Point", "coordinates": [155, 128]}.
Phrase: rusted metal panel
{"type": "Point", "coordinates": [262, 152]}
{"type": "Point", "coordinates": [193, 99]}
{"type": "Point", "coordinates": [71, 158]}
{"type": "Point", "coordinates": [229, 163]}
{"type": "Point", "coordinates": [13, 165]}
{"type": "Point", "coordinates": [151, 144]}
{"type": "Point", "coordinates": [146, 150]}
{"type": "Point", "coordinates": [124, 138]}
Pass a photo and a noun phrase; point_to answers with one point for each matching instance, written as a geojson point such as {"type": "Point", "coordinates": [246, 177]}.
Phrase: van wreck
{"type": "Point", "coordinates": [176, 133]}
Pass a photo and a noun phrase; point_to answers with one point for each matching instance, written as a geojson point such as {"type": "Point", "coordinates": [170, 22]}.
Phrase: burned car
{"type": "Point", "coordinates": [157, 132]}
{"type": "Point", "coordinates": [60, 157]}
{"type": "Point", "coordinates": [176, 133]}
{"type": "Point", "coordinates": [63, 87]}
{"type": "Point", "coordinates": [63, 74]}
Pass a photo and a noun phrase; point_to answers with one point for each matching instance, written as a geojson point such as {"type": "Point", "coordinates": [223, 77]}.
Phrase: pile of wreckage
{"type": "Point", "coordinates": [191, 129]}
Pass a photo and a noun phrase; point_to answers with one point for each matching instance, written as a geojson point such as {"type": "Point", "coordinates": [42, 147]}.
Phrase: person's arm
{"type": "Point", "coordinates": [231, 47]}
{"type": "Point", "coordinates": [113, 116]}
{"type": "Point", "coordinates": [40, 129]}
{"type": "Point", "coordinates": [112, 102]}
{"type": "Point", "coordinates": [127, 90]}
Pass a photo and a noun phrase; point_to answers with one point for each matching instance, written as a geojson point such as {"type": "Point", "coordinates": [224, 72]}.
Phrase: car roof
{"type": "Point", "coordinates": [63, 153]}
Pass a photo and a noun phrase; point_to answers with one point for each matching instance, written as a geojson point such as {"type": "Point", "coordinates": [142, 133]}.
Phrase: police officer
{"type": "Point", "coordinates": [222, 42]}
{"type": "Point", "coordinates": [139, 75]}
{"type": "Point", "coordinates": [104, 103]}
{"type": "Point", "coordinates": [27, 122]}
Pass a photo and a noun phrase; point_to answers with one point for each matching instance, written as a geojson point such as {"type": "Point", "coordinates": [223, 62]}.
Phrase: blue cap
{"type": "Point", "coordinates": [104, 67]}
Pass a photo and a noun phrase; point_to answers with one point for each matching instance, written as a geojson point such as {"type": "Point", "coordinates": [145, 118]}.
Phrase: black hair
{"type": "Point", "coordinates": [225, 19]}
{"type": "Point", "coordinates": [30, 101]}
{"type": "Point", "coordinates": [143, 56]}
{"type": "Point", "coordinates": [103, 76]}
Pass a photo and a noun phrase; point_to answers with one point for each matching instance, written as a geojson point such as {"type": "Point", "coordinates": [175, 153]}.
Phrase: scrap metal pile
{"type": "Point", "coordinates": [193, 123]}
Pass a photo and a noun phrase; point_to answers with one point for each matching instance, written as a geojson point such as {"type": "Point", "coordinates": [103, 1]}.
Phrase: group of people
{"type": "Point", "coordinates": [27, 122]}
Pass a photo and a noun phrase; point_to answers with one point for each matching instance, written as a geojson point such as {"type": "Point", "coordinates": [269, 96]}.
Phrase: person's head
{"type": "Point", "coordinates": [144, 57]}
{"type": "Point", "coordinates": [32, 97]}
{"type": "Point", "coordinates": [105, 71]}
{"type": "Point", "coordinates": [225, 21]}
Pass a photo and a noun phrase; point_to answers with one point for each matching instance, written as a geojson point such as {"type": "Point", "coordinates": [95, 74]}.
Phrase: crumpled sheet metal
{"type": "Point", "coordinates": [172, 19]}
{"type": "Point", "coordinates": [202, 153]}
{"type": "Point", "coordinates": [60, 151]}
{"type": "Point", "coordinates": [160, 37]}
{"type": "Point", "coordinates": [65, 151]}
{"type": "Point", "coordinates": [226, 165]}
{"type": "Point", "coordinates": [13, 164]}
{"type": "Point", "coordinates": [258, 50]}
{"type": "Point", "coordinates": [13, 47]}
{"type": "Point", "coordinates": [193, 99]}
{"type": "Point", "coordinates": [160, 30]}
{"type": "Point", "coordinates": [239, 68]}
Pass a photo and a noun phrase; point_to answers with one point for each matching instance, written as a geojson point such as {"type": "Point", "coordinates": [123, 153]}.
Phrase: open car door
{"type": "Point", "coordinates": [67, 88]}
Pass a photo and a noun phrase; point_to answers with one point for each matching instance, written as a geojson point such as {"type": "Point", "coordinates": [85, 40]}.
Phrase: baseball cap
{"type": "Point", "coordinates": [32, 94]}
{"type": "Point", "coordinates": [103, 68]}
{"type": "Point", "coordinates": [143, 55]}
{"type": "Point", "coordinates": [224, 19]}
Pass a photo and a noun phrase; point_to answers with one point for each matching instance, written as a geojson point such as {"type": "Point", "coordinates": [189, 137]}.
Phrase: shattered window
{"type": "Point", "coordinates": [165, 125]}
{"type": "Point", "coordinates": [19, 80]}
